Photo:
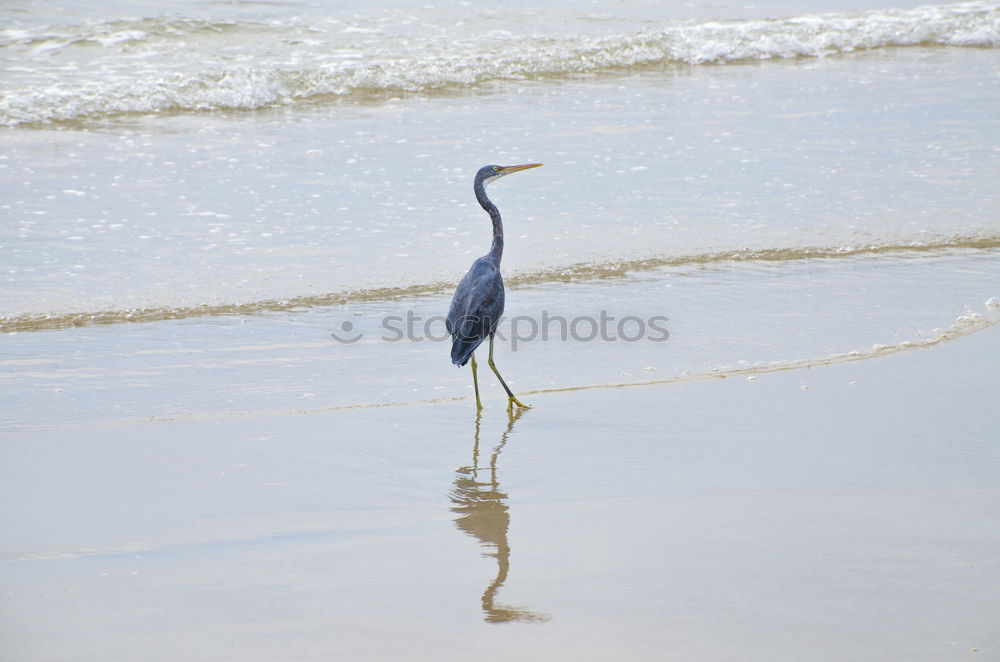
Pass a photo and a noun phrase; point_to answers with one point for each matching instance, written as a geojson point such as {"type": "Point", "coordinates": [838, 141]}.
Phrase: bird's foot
{"type": "Point", "coordinates": [514, 401]}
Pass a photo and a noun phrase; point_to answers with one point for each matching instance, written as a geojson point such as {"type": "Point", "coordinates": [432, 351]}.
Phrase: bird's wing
{"type": "Point", "coordinates": [478, 302]}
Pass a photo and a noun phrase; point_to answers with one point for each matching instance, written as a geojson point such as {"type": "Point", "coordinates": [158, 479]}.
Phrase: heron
{"type": "Point", "coordinates": [478, 302]}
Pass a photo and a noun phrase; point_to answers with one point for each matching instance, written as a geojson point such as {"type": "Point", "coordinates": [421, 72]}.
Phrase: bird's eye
{"type": "Point", "coordinates": [496, 168]}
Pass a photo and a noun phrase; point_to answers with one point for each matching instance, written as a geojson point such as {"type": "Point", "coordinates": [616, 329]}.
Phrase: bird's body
{"type": "Point", "coordinates": [476, 309]}
{"type": "Point", "coordinates": [479, 298]}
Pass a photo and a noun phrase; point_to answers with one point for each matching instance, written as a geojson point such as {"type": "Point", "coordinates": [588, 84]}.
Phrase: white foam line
{"type": "Point", "coordinates": [260, 81]}
{"type": "Point", "coordinates": [963, 326]}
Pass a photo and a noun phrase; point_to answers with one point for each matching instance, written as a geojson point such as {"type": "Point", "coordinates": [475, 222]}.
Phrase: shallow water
{"type": "Point", "coordinates": [663, 323]}
{"type": "Point", "coordinates": [186, 208]}
{"type": "Point", "coordinates": [852, 518]}
{"type": "Point", "coordinates": [752, 297]}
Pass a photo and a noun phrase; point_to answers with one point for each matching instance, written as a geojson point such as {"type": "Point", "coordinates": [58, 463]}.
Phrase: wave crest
{"type": "Point", "coordinates": [191, 66]}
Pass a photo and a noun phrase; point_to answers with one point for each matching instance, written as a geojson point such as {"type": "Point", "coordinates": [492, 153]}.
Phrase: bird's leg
{"type": "Point", "coordinates": [511, 399]}
{"type": "Point", "coordinates": [475, 383]}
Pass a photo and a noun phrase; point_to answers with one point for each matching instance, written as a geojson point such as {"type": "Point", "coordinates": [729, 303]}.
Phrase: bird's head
{"type": "Point", "coordinates": [492, 173]}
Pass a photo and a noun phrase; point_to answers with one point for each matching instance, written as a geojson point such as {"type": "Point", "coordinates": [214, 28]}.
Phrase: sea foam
{"type": "Point", "coordinates": [189, 65]}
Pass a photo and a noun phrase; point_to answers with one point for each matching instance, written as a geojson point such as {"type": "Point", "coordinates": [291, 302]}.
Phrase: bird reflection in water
{"type": "Point", "coordinates": [483, 514]}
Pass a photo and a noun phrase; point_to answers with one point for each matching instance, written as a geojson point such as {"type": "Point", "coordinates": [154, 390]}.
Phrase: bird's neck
{"type": "Point", "coordinates": [496, 249]}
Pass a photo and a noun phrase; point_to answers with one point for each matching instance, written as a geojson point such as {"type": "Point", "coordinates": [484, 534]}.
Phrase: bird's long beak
{"type": "Point", "coordinates": [506, 170]}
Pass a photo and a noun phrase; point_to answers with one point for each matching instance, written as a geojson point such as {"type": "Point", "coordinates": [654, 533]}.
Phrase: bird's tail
{"type": "Point", "coordinates": [462, 349]}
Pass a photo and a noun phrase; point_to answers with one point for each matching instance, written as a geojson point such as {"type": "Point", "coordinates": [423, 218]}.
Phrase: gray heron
{"type": "Point", "coordinates": [478, 302]}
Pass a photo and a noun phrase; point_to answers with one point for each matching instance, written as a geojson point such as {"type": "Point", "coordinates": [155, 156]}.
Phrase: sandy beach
{"type": "Point", "coordinates": [752, 299]}
{"type": "Point", "coordinates": [829, 509]}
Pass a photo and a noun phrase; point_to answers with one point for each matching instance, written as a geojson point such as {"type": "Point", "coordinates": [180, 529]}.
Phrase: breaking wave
{"type": "Point", "coordinates": [186, 65]}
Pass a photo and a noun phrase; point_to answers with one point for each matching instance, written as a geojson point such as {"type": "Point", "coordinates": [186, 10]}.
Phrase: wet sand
{"type": "Point", "coordinates": [843, 511]}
